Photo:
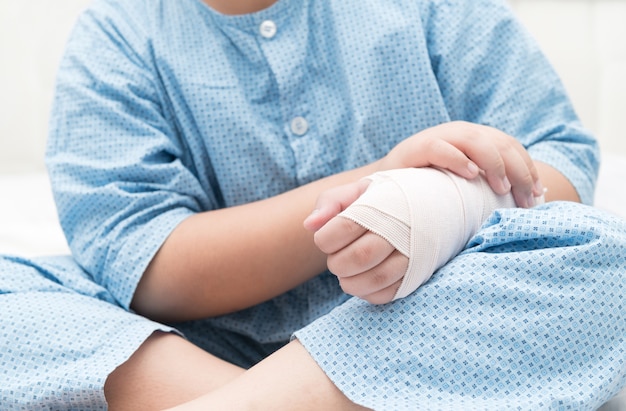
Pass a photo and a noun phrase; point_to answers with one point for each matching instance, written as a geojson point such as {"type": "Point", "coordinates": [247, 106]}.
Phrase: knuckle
{"type": "Point", "coordinates": [507, 147]}
{"type": "Point", "coordinates": [348, 287]}
{"type": "Point", "coordinates": [467, 130]}
{"type": "Point", "coordinates": [335, 265]}
{"type": "Point", "coordinates": [527, 180]}
{"type": "Point", "coordinates": [348, 226]}
{"type": "Point", "coordinates": [320, 242]}
{"type": "Point", "coordinates": [459, 125]}
{"type": "Point", "coordinates": [430, 144]}
{"type": "Point", "coordinates": [525, 184]}
{"type": "Point", "coordinates": [474, 133]}
{"type": "Point", "coordinates": [500, 163]}
{"type": "Point", "coordinates": [361, 256]}
{"type": "Point", "coordinates": [379, 278]}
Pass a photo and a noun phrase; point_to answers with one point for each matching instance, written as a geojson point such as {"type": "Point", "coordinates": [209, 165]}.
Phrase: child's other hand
{"type": "Point", "coordinates": [465, 149]}
{"type": "Point", "coordinates": [367, 265]}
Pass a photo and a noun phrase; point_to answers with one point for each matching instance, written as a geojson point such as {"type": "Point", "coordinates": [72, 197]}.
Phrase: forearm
{"type": "Point", "coordinates": [226, 260]}
{"type": "Point", "coordinates": [558, 187]}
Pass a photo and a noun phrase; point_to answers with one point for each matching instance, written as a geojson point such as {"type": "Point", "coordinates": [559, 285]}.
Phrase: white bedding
{"type": "Point", "coordinates": [28, 219]}
{"type": "Point", "coordinates": [29, 225]}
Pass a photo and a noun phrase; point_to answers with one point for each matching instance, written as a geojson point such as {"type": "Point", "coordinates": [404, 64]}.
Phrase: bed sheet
{"type": "Point", "coordinates": [28, 220]}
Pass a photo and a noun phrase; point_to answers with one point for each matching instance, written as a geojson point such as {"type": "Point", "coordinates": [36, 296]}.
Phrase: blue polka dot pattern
{"type": "Point", "coordinates": [60, 336]}
{"type": "Point", "coordinates": [166, 108]}
{"type": "Point", "coordinates": [183, 109]}
{"type": "Point", "coordinates": [529, 317]}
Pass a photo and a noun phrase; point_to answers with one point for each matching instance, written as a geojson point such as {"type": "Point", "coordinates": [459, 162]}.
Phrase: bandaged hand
{"type": "Point", "coordinates": [407, 224]}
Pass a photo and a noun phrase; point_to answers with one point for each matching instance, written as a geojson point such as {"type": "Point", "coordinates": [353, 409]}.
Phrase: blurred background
{"type": "Point", "coordinates": [584, 39]}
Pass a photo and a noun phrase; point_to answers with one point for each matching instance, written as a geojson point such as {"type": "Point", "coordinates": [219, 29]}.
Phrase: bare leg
{"type": "Point", "coordinates": [287, 380]}
{"type": "Point", "coordinates": [166, 370]}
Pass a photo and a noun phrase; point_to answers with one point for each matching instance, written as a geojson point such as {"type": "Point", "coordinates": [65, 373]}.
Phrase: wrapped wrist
{"type": "Point", "coordinates": [427, 214]}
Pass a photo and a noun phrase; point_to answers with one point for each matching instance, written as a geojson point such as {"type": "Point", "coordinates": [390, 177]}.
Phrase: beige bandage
{"type": "Point", "coordinates": [427, 214]}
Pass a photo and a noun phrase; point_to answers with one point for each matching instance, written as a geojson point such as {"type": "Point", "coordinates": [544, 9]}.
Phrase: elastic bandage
{"type": "Point", "coordinates": [427, 214]}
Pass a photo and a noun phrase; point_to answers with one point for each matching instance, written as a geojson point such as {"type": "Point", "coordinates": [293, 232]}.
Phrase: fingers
{"type": "Point", "coordinates": [361, 255]}
{"type": "Point", "coordinates": [463, 147]}
{"type": "Point", "coordinates": [383, 296]}
{"type": "Point", "coordinates": [489, 157]}
{"type": "Point", "coordinates": [367, 265]}
{"type": "Point", "coordinates": [337, 234]}
{"type": "Point", "coordinates": [523, 175]}
{"type": "Point", "coordinates": [430, 148]}
{"type": "Point", "coordinates": [334, 201]}
{"type": "Point", "coordinates": [447, 156]}
{"type": "Point", "coordinates": [379, 284]}
{"type": "Point", "coordinates": [506, 163]}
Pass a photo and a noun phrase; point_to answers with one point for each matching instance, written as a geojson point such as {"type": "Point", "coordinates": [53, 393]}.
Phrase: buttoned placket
{"type": "Point", "coordinates": [297, 123]}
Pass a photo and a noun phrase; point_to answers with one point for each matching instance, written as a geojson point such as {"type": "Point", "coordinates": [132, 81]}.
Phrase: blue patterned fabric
{"type": "Point", "coordinates": [184, 110]}
{"type": "Point", "coordinates": [529, 317]}
{"type": "Point", "coordinates": [166, 108]}
{"type": "Point", "coordinates": [61, 334]}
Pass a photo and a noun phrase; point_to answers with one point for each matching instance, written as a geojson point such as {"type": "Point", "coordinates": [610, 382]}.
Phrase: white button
{"type": "Point", "coordinates": [268, 29]}
{"type": "Point", "coordinates": [299, 126]}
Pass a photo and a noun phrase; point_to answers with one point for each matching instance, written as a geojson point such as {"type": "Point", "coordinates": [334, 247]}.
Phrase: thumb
{"type": "Point", "coordinates": [332, 202]}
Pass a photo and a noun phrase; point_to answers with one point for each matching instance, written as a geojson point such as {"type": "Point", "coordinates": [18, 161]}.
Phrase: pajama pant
{"type": "Point", "coordinates": [530, 316]}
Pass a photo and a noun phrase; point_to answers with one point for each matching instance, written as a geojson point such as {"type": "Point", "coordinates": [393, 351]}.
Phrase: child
{"type": "Point", "coordinates": [190, 140]}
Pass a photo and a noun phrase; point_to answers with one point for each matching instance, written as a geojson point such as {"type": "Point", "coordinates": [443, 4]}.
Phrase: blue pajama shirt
{"type": "Point", "coordinates": [166, 108]}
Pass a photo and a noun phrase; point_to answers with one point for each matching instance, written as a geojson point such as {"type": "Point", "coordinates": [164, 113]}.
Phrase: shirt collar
{"type": "Point", "coordinates": [278, 13]}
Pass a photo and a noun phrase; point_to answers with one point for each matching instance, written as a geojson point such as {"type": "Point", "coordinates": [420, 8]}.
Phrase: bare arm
{"type": "Point", "coordinates": [226, 260]}
{"type": "Point", "coordinates": [370, 267]}
{"type": "Point", "coordinates": [559, 187]}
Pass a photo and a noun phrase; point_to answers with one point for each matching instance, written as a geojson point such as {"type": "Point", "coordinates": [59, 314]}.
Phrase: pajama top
{"type": "Point", "coordinates": [165, 108]}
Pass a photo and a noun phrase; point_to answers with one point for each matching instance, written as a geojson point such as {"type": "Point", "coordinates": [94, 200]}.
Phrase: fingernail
{"type": "Point", "coordinates": [539, 190]}
{"type": "Point", "coordinates": [530, 201]}
{"type": "Point", "coordinates": [541, 198]}
{"type": "Point", "coordinates": [506, 184]}
{"type": "Point", "coordinates": [310, 216]}
{"type": "Point", "coordinates": [472, 168]}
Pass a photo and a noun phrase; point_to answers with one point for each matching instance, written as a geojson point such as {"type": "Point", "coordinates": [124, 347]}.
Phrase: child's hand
{"type": "Point", "coordinates": [465, 149]}
{"type": "Point", "coordinates": [367, 265]}
{"type": "Point", "coordinates": [385, 238]}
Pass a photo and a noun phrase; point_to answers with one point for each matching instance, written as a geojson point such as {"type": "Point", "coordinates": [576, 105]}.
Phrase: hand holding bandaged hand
{"type": "Point", "coordinates": [427, 214]}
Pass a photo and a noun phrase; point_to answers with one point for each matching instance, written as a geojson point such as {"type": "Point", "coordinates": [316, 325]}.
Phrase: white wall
{"type": "Point", "coordinates": [585, 39]}
{"type": "Point", "coordinates": [32, 37]}
{"type": "Point", "coordinates": [586, 42]}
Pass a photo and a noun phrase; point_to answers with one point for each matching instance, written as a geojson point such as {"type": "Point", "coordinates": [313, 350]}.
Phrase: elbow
{"type": "Point", "coordinates": [155, 303]}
